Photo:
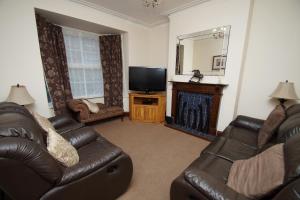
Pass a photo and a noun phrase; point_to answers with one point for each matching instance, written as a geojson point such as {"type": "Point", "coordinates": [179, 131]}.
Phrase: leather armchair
{"type": "Point", "coordinates": [206, 177]}
{"type": "Point", "coordinates": [29, 172]}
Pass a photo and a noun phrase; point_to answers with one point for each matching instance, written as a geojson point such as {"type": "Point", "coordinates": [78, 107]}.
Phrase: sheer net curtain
{"type": "Point", "coordinates": [84, 63]}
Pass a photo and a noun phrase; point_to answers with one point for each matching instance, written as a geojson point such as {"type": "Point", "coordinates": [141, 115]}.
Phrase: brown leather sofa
{"type": "Point", "coordinates": [29, 172]}
{"type": "Point", "coordinates": [62, 123]}
{"type": "Point", "coordinates": [206, 177]}
{"type": "Point", "coordinates": [82, 113]}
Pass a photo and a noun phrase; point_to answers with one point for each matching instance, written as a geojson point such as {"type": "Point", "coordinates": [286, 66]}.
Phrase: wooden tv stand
{"type": "Point", "coordinates": [147, 107]}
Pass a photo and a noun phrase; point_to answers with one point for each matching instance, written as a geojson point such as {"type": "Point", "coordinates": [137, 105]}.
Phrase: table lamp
{"type": "Point", "coordinates": [285, 91]}
{"type": "Point", "coordinates": [19, 94]}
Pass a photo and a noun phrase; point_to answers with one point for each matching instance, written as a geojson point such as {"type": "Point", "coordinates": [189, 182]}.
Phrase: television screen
{"type": "Point", "coordinates": [147, 79]}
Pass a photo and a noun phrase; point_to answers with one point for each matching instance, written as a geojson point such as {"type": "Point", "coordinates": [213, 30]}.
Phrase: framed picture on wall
{"type": "Point", "coordinates": [219, 62]}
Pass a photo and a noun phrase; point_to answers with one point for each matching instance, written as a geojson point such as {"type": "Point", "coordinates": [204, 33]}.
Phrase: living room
{"type": "Point", "coordinates": [260, 44]}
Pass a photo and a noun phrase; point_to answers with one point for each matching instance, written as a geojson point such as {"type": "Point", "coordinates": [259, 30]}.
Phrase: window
{"type": "Point", "coordinates": [50, 103]}
{"type": "Point", "coordinates": [83, 56]}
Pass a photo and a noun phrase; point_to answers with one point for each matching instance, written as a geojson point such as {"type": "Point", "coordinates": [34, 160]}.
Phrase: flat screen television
{"type": "Point", "coordinates": [147, 79]}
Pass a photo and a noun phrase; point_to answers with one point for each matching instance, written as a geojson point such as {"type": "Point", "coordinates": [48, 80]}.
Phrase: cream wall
{"type": "Point", "coordinates": [188, 56]}
{"type": "Point", "coordinates": [158, 46]}
{"type": "Point", "coordinates": [272, 55]}
{"type": "Point", "coordinates": [214, 13]}
{"type": "Point", "coordinates": [20, 60]}
{"type": "Point", "coordinates": [204, 51]}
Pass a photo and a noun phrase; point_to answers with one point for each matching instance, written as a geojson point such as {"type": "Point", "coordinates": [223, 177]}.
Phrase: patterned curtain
{"type": "Point", "coordinates": [179, 58]}
{"type": "Point", "coordinates": [111, 59]}
{"type": "Point", "coordinates": [54, 60]}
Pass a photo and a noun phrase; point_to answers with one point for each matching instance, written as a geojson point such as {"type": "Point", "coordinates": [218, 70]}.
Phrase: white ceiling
{"type": "Point", "coordinates": [135, 10]}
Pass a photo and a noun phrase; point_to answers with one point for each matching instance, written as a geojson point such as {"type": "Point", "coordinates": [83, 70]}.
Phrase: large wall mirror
{"type": "Point", "coordinates": [205, 51]}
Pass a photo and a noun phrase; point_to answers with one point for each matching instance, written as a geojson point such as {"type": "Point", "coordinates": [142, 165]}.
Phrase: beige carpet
{"type": "Point", "coordinates": [159, 155]}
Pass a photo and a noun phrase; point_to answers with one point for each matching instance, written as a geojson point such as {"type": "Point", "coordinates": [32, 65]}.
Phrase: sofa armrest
{"type": "Point", "coordinates": [32, 155]}
{"type": "Point", "coordinates": [211, 187]}
{"type": "Point", "coordinates": [81, 137]}
{"type": "Point", "coordinates": [60, 121]}
{"type": "Point", "coordinates": [80, 108]}
{"type": "Point", "coordinates": [249, 123]}
{"type": "Point", "coordinates": [64, 123]}
{"type": "Point", "coordinates": [101, 106]}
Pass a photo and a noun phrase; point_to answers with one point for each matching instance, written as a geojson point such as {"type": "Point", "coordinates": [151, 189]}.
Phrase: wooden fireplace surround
{"type": "Point", "coordinates": [215, 90]}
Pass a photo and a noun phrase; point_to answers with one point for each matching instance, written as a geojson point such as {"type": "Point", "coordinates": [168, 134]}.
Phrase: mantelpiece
{"type": "Point", "coordinates": [215, 91]}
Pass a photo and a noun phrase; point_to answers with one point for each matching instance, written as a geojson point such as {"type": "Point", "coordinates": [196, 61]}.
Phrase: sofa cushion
{"type": "Point", "coordinates": [109, 111]}
{"type": "Point", "coordinates": [276, 117]}
{"type": "Point", "coordinates": [218, 167]}
{"type": "Point", "coordinates": [105, 113]}
{"type": "Point", "coordinates": [93, 107]}
{"type": "Point", "coordinates": [92, 157]}
{"type": "Point", "coordinates": [61, 149]}
{"type": "Point", "coordinates": [246, 136]}
{"type": "Point", "coordinates": [230, 149]}
{"type": "Point", "coordinates": [259, 175]}
{"type": "Point", "coordinates": [209, 173]}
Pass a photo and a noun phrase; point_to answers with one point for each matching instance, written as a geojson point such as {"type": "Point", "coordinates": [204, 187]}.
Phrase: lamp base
{"type": "Point", "coordinates": [282, 101]}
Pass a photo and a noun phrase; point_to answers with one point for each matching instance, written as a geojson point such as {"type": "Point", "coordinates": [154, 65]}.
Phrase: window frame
{"type": "Point", "coordinates": [82, 65]}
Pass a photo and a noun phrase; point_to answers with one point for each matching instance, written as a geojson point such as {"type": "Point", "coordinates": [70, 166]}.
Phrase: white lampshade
{"type": "Point", "coordinates": [19, 94]}
{"type": "Point", "coordinates": [285, 90]}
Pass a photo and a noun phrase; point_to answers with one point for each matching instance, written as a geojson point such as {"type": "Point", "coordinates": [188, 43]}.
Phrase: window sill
{"type": "Point", "coordinates": [50, 104]}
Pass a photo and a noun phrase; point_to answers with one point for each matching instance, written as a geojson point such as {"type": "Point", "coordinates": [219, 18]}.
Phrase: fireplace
{"type": "Point", "coordinates": [195, 108]}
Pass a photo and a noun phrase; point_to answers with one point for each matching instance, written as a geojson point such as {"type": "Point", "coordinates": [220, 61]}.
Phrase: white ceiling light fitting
{"type": "Point", "coordinates": [219, 33]}
{"type": "Point", "coordinates": [151, 3]}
